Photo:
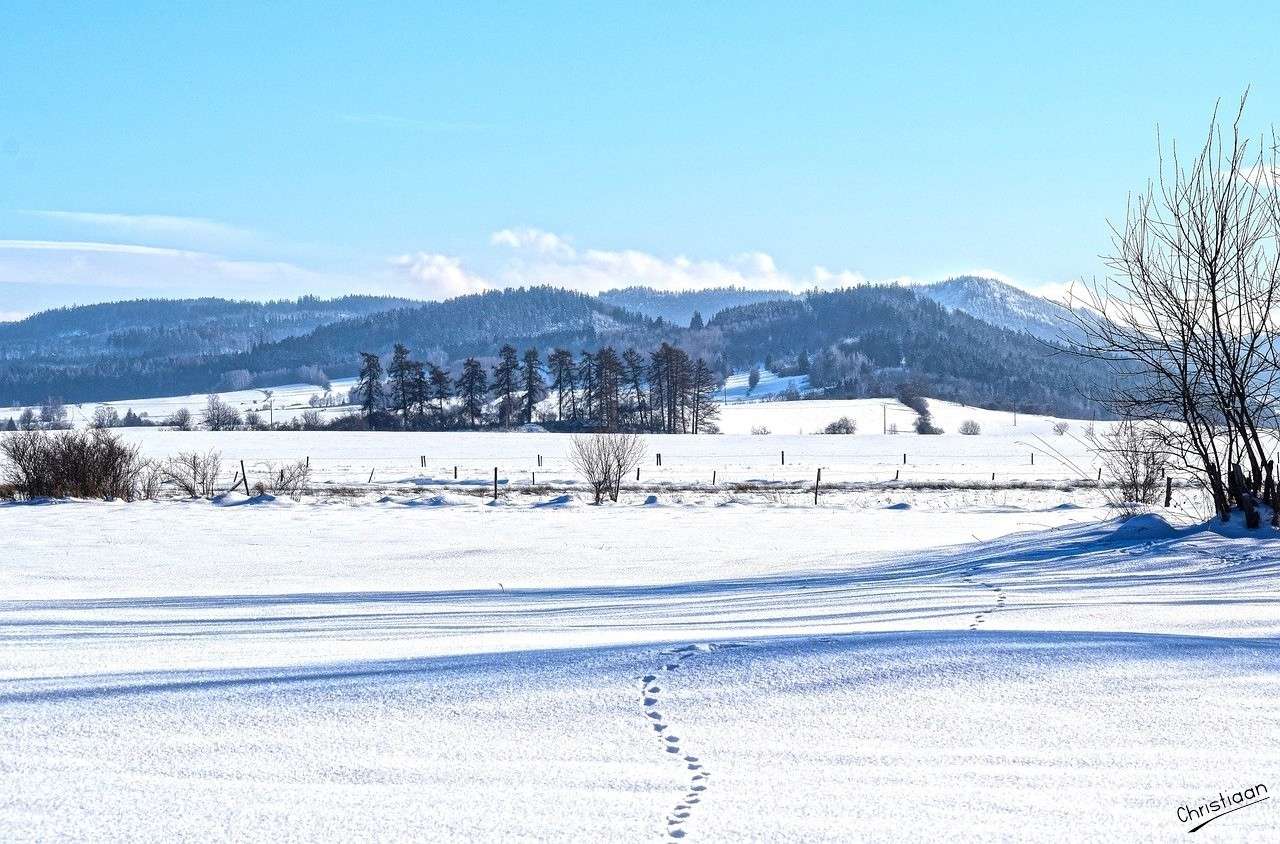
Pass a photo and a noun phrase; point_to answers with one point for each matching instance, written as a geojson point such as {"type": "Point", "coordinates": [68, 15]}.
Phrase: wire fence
{"type": "Point", "coordinates": [685, 470]}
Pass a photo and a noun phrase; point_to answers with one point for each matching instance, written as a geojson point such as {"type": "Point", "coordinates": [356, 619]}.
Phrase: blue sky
{"type": "Point", "coordinates": [431, 149]}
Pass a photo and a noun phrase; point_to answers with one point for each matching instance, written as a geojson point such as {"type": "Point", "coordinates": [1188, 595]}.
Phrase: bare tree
{"type": "Point", "coordinates": [181, 420]}
{"type": "Point", "coordinates": [220, 416]}
{"type": "Point", "coordinates": [605, 459]}
{"type": "Point", "coordinates": [1187, 318]}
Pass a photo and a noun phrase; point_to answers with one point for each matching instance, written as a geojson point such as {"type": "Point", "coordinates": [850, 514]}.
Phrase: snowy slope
{"type": "Point", "coordinates": [737, 387]}
{"type": "Point", "coordinates": [1002, 305]}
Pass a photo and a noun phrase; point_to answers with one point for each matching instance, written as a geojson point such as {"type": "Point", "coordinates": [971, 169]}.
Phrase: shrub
{"type": "Point", "coordinates": [194, 474]}
{"type": "Point", "coordinates": [924, 425]}
{"type": "Point", "coordinates": [71, 464]}
{"type": "Point", "coordinates": [291, 480]}
{"type": "Point", "coordinates": [181, 420]}
{"type": "Point", "coordinates": [843, 425]}
{"type": "Point", "coordinates": [1061, 428]}
{"type": "Point", "coordinates": [1133, 464]}
{"type": "Point", "coordinates": [311, 420]}
{"type": "Point", "coordinates": [105, 416]}
{"type": "Point", "coordinates": [970, 428]}
{"type": "Point", "coordinates": [760, 429]}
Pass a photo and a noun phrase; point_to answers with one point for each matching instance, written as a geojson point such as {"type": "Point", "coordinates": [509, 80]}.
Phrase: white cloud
{"type": "Point", "coordinates": [151, 225]}
{"type": "Point", "coordinates": [537, 240]}
{"type": "Point", "coordinates": [71, 246]}
{"type": "Point", "coordinates": [439, 276]}
{"type": "Point", "coordinates": [1070, 293]}
{"type": "Point", "coordinates": [13, 316]}
{"type": "Point", "coordinates": [541, 257]}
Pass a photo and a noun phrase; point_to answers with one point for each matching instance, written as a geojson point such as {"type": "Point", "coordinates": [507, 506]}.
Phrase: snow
{"type": "Point", "coordinates": [1016, 454]}
{"type": "Point", "coordinates": [737, 387]}
{"type": "Point", "coordinates": [982, 664]}
{"type": "Point", "coordinates": [284, 403]}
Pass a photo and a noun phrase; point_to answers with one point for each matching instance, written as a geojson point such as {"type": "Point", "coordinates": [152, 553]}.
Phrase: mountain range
{"type": "Point", "coordinates": [972, 340]}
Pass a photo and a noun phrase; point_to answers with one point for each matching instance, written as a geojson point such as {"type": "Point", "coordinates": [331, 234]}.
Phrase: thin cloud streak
{"type": "Point", "coordinates": [149, 224]}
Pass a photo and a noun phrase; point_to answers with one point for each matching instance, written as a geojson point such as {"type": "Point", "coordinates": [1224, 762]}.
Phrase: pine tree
{"type": "Point", "coordinates": [633, 364]}
{"type": "Point", "coordinates": [564, 380]}
{"type": "Point", "coordinates": [702, 398]}
{"type": "Point", "coordinates": [441, 390]}
{"type": "Point", "coordinates": [400, 371]}
{"type": "Point", "coordinates": [696, 323]}
{"type": "Point", "coordinates": [505, 383]}
{"type": "Point", "coordinates": [419, 390]}
{"type": "Point", "coordinates": [535, 387]}
{"type": "Point", "coordinates": [369, 384]}
{"type": "Point", "coordinates": [471, 389]}
{"type": "Point", "coordinates": [587, 378]}
{"type": "Point", "coordinates": [609, 378]}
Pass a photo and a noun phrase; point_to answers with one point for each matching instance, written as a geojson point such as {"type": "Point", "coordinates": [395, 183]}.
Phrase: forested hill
{"type": "Point", "coordinates": [476, 324]}
{"type": "Point", "coordinates": [678, 306]}
{"type": "Point", "coordinates": [162, 327]}
{"type": "Point", "coordinates": [857, 342]}
{"type": "Point", "coordinates": [860, 341]}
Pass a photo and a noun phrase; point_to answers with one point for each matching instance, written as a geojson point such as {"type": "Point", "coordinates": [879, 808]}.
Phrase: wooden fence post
{"type": "Point", "coordinates": [371, 471]}
{"type": "Point", "coordinates": [637, 473]}
{"type": "Point", "coordinates": [817, 484]}
{"type": "Point", "coordinates": [713, 477]}
{"type": "Point", "coordinates": [455, 473]}
{"type": "Point", "coordinates": [895, 473]}
{"type": "Point", "coordinates": [784, 458]}
{"type": "Point", "coordinates": [495, 483]}
{"type": "Point", "coordinates": [245, 477]}
{"type": "Point", "coordinates": [904, 460]}
{"type": "Point", "coordinates": [1168, 491]}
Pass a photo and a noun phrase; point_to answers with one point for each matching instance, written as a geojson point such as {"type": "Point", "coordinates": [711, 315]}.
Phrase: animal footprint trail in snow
{"type": "Point", "coordinates": [1000, 599]}
{"type": "Point", "coordinates": [651, 687]}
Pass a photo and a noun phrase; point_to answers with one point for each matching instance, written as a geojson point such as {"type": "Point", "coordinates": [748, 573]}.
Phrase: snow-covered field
{"type": "Point", "coordinates": [1007, 452]}
{"type": "Point", "coordinates": [408, 661]}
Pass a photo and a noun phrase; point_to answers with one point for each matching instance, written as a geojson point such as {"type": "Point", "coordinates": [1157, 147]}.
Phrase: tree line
{"type": "Point", "coordinates": [666, 391]}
